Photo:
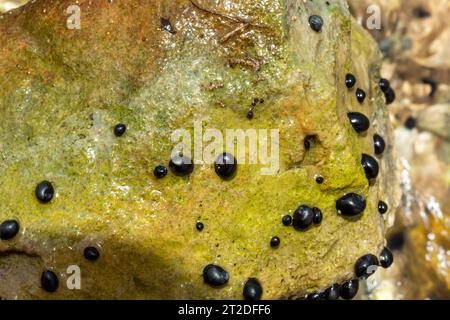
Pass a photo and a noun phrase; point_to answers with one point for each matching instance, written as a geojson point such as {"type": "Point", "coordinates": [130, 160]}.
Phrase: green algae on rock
{"type": "Point", "coordinates": [63, 91]}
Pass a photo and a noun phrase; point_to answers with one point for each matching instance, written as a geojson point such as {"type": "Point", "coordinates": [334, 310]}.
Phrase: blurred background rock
{"type": "Point", "coordinates": [415, 40]}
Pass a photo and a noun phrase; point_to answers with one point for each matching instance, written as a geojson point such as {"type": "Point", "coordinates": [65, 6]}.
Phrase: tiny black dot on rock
{"type": "Point", "coordinates": [49, 281]}
{"type": "Point", "coordinates": [287, 220]}
{"type": "Point", "coordinates": [120, 129]}
{"type": "Point", "coordinates": [215, 275]}
{"type": "Point", "coordinates": [360, 95]}
{"type": "Point", "coordinates": [366, 266]}
{"type": "Point", "coordinates": [9, 229]}
{"type": "Point", "coordinates": [166, 25]}
{"type": "Point", "coordinates": [252, 290]}
{"type": "Point", "coordinates": [225, 166]}
{"type": "Point", "coordinates": [199, 226]}
{"type": "Point", "coordinates": [382, 207]}
{"type": "Point", "coordinates": [160, 172]}
{"type": "Point", "coordinates": [384, 85]}
{"type": "Point", "coordinates": [350, 80]}
{"type": "Point", "coordinates": [318, 216]}
{"type": "Point", "coordinates": [44, 191]}
{"type": "Point", "coordinates": [275, 242]}
{"type": "Point", "coordinates": [359, 121]}
{"type": "Point", "coordinates": [351, 205]}
{"type": "Point", "coordinates": [320, 179]}
{"type": "Point", "coordinates": [390, 96]}
{"type": "Point", "coordinates": [370, 165]}
{"type": "Point", "coordinates": [303, 218]}
{"type": "Point", "coordinates": [250, 115]}
{"type": "Point", "coordinates": [91, 253]}
{"type": "Point", "coordinates": [181, 165]}
{"type": "Point", "coordinates": [379, 144]}
{"type": "Point", "coordinates": [386, 258]}
{"type": "Point", "coordinates": [309, 140]}
{"type": "Point", "coordinates": [332, 293]}
{"type": "Point", "coordinates": [316, 23]}
{"type": "Point", "coordinates": [349, 289]}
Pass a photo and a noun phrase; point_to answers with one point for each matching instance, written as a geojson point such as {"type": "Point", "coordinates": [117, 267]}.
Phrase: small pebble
{"type": "Point", "coordinates": [226, 165]}
{"type": "Point", "coordinates": [318, 216]}
{"type": "Point", "coordinates": [215, 275]}
{"type": "Point", "coordinates": [366, 266]}
{"type": "Point", "coordinates": [382, 207]}
{"type": "Point", "coordinates": [350, 80]}
{"type": "Point", "coordinates": [9, 229]}
{"type": "Point", "coordinates": [348, 290]}
{"type": "Point", "coordinates": [44, 191]}
{"type": "Point", "coordinates": [410, 123]}
{"type": "Point", "coordinates": [390, 96]}
{"type": "Point", "coordinates": [275, 242]}
{"type": "Point", "coordinates": [49, 281]}
{"type": "Point", "coordinates": [320, 179]}
{"type": "Point", "coordinates": [379, 144]}
{"type": "Point", "coordinates": [91, 253]}
{"type": "Point", "coordinates": [359, 121]}
{"type": "Point", "coordinates": [384, 85]}
{"type": "Point", "coordinates": [252, 290]}
{"type": "Point", "coordinates": [167, 26]}
{"type": "Point", "coordinates": [181, 166]}
{"type": "Point", "coordinates": [199, 226]}
{"type": "Point", "coordinates": [160, 172]}
{"type": "Point", "coordinates": [314, 296]}
{"type": "Point", "coordinates": [287, 220]}
{"type": "Point", "coordinates": [332, 293]}
{"type": "Point", "coordinates": [303, 218]}
{"type": "Point", "coordinates": [120, 129]}
{"type": "Point", "coordinates": [360, 95]}
{"type": "Point", "coordinates": [316, 23]}
{"type": "Point", "coordinates": [351, 205]}
{"type": "Point", "coordinates": [370, 165]}
{"type": "Point", "coordinates": [386, 258]}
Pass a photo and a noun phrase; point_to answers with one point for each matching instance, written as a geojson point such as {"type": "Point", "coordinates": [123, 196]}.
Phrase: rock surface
{"type": "Point", "coordinates": [63, 91]}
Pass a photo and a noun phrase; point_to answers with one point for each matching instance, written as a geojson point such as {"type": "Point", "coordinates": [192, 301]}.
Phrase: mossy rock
{"type": "Point", "coordinates": [63, 90]}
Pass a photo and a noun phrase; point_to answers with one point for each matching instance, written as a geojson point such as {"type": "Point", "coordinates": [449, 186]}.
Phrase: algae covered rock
{"type": "Point", "coordinates": [133, 231]}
